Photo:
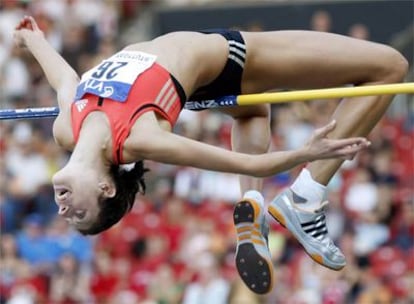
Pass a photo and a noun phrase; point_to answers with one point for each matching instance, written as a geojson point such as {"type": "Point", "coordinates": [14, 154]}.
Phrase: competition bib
{"type": "Point", "coordinates": [113, 77]}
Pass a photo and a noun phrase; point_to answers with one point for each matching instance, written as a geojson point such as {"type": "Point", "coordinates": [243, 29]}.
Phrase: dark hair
{"type": "Point", "coordinates": [127, 183]}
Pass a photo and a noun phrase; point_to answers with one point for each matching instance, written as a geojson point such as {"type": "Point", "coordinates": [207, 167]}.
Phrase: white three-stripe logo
{"type": "Point", "coordinates": [166, 96]}
{"type": "Point", "coordinates": [81, 104]}
{"type": "Point", "coordinates": [237, 52]}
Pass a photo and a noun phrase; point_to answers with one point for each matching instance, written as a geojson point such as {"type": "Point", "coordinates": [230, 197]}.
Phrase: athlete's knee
{"type": "Point", "coordinates": [394, 65]}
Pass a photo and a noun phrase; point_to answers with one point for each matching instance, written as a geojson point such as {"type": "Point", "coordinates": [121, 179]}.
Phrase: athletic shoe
{"type": "Point", "coordinates": [309, 228]}
{"type": "Point", "coordinates": [253, 259]}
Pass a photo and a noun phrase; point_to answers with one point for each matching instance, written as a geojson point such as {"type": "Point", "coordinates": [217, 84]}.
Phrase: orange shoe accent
{"type": "Point", "coordinates": [243, 237]}
{"type": "Point", "coordinates": [256, 208]}
{"type": "Point", "coordinates": [244, 229]}
{"type": "Point", "coordinates": [319, 259]}
{"type": "Point", "coordinates": [257, 233]}
{"type": "Point", "coordinates": [276, 214]}
{"type": "Point", "coordinates": [258, 242]}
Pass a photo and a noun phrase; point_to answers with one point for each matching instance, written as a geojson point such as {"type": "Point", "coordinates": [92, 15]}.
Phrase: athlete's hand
{"type": "Point", "coordinates": [321, 147]}
{"type": "Point", "coordinates": [27, 26]}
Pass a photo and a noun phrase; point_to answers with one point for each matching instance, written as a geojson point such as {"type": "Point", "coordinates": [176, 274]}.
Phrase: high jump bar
{"type": "Point", "coordinates": [247, 99]}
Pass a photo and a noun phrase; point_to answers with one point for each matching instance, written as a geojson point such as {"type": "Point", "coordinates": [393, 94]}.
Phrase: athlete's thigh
{"type": "Point", "coordinates": [306, 59]}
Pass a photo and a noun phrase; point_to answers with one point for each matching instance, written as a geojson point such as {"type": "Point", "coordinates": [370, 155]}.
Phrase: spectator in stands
{"type": "Point", "coordinates": [27, 166]}
{"type": "Point", "coordinates": [34, 246]}
{"type": "Point", "coordinates": [65, 239]}
{"type": "Point", "coordinates": [69, 281]}
{"type": "Point", "coordinates": [321, 21]}
{"type": "Point", "coordinates": [104, 281]}
{"type": "Point", "coordinates": [163, 286]}
{"type": "Point", "coordinates": [209, 286]}
{"type": "Point", "coordinates": [11, 265]}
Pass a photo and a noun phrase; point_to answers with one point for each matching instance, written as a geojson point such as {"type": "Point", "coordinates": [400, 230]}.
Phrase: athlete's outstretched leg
{"type": "Point", "coordinates": [251, 134]}
{"type": "Point", "coordinates": [301, 59]}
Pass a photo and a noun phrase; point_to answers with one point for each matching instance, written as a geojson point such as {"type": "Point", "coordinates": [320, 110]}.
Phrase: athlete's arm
{"type": "Point", "coordinates": [60, 75]}
{"type": "Point", "coordinates": [174, 149]}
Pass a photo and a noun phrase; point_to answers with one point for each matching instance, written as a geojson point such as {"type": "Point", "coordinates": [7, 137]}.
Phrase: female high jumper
{"type": "Point", "coordinates": [123, 110]}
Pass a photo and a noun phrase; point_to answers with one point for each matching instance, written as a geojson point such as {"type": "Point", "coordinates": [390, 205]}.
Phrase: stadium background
{"type": "Point", "coordinates": [177, 245]}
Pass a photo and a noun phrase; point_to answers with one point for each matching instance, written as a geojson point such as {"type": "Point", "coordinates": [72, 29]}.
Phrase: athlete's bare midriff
{"type": "Point", "coordinates": [194, 59]}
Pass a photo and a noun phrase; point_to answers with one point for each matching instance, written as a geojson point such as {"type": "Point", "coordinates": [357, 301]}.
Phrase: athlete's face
{"type": "Point", "coordinates": [77, 196]}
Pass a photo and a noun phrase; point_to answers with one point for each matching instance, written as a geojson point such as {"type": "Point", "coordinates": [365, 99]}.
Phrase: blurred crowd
{"type": "Point", "coordinates": [177, 244]}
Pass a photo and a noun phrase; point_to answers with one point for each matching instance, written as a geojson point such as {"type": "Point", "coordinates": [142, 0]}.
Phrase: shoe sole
{"type": "Point", "coordinates": [286, 223]}
{"type": "Point", "coordinates": [255, 270]}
